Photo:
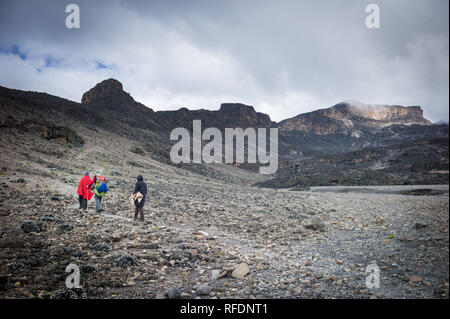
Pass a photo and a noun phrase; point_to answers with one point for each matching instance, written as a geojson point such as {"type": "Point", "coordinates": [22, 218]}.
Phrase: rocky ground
{"type": "Point", "coordinates": [206, 237]}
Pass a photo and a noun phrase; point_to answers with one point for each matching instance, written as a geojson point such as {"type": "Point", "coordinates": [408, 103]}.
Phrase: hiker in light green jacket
{"type": "Point", "coordinates": [97, 182]}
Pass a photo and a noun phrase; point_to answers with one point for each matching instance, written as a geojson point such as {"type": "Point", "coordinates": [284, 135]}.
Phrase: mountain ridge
{"type": "Point", "coordinates": [107, 106]}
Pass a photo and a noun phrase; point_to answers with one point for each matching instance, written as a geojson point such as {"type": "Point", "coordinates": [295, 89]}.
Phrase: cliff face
{"type": "Point", "coordinates": [109, 98]}
{"type": "Point", "coordinates": [110, 94]}
{"type": "Point", "coordinates": [106, 89]}
{"type": "Point", "coordinates": [352, 118]}
{"type": "Point", "coordinates": [230, 115]}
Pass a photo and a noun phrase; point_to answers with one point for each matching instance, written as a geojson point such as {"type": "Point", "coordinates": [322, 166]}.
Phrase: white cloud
{"type": "Point", "coordinates": [284, 59]}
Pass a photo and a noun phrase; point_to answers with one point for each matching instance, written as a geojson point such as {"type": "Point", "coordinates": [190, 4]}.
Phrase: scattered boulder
{"type": "Point", "coordinates": [66, 227]}
{"type": "Point", "coordinates": [29, 226]}
{"type": "Point", "coordinates": [415, 279]}
{"type": "Point", "coordinates": [203, 290]}
{"type": "Point", "coordinates": [102, 246]}
{"type": "Point", "coordinates": [419, 226]}
{"type": "Point", "coordinates": [125, 261]}
{"type": "Point", "coordinates": [75, 293]}
{"type": "Point", "coordinates": [17, 267]}
{"type": "Point", "coordinates": [50, 218]}
{"type": "Point", "coordinates": [298, 291]}
{"type": "Point", "coordinates": [173, 293]}
{"type": "Point", "coordinates": [315, 224]}
{"type": "Point", "coordinates": [215, 274]}
{"type": "Point", "coordinates": [87, 269]}
{"type": "Point", "coordinates": [137, 150]}
{"type": "Point", "coordinates": [240, 271]}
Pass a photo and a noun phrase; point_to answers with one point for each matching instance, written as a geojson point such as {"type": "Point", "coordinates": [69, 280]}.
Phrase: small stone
{"type": "Point", "coordinates": [298, 291]}
{"type": "Point", "coordinates": [173, 293]}
{"type": "Point", "coordinates": [125, 261]}
{"type": "Point", "coordinates": [240, 271]}
{"type": "Point", "coordinates": [415, 279]}
{"type": "Point", "coordinates": [419, 226]}
{"type": "Point", "coordinates": [101, 246]}
{"type": "Point", "coordinates": [215, 274]}
{"type": "Point", "coordinates": [379, 220]}
{"type": "Point", "coordinates": [203, 290]}
{"type": "Point", "coordinates": [29, 226]}
{"type": "Point", "coordinates": [66, 227]}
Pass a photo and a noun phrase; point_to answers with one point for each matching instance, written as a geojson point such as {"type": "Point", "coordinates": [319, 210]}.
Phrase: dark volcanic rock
{"type": "Point", "coordinates": [50, 218]}
{"type": "Point", "coordinates": [51, 132]}
{"type": "Point", "coordinates": [125, 261]}
{"type": "Point", "coordinates": [76, 293]}
{"type": "Point", "coordinates": [29, 226]}
{"type": "Point", "coordinates": [203, 290]}
{"type": "Point", "coordinates": [173, 293]}
{"type": "Point", "coordinates": [137, 150]}
{"type": "Point", "coordinates": [66, 227]}
{"type": "Point", "coordinates": [102, 246]}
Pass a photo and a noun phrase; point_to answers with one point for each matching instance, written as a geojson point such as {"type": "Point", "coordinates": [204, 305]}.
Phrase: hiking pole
{"type": "Point", "coordinates": [87, 195]}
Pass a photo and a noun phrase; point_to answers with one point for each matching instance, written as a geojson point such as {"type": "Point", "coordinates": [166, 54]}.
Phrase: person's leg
{"type": "Point", "coordinates": [79, 201]}
{"type": "Point", "coordinates": [136, 210]}
{"type": "Point", "coordinates": [98, 204]}
{"type": "Point", "coordinates": [141, 210]}
{"type": "Point", "coordinates": [84, 203]}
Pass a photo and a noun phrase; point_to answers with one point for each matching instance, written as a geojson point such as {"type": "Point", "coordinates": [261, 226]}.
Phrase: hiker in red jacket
{"type": "Point", "coordinates": [84, 192]}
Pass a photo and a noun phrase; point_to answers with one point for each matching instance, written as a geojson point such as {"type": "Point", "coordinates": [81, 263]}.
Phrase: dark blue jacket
{"type": "Point", "coordinates": [142, 188]}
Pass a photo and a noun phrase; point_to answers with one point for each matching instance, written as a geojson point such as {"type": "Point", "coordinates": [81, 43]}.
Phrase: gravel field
{"type": "Point", "coordinates": [209, 237]}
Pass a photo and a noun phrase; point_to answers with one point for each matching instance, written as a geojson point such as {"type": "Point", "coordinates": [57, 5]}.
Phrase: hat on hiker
{"type": "Point", "coordinates": [86, 173]}
{"type": "Point", "coordinates": [99, 171]}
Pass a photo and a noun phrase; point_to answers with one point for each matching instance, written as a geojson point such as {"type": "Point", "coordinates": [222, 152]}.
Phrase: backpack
{"type": "Point", "coordinates": [103, 188]}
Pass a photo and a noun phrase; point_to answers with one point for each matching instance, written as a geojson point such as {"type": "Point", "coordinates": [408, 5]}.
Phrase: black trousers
{"type": "Point", "coordinates": [83, 202]}
{"type": "Point", "coordinates": [141, 211]}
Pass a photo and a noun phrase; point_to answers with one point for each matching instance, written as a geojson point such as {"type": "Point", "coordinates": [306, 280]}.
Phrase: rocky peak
{"type": "Point", "coordinates": [237, 108]}
{"type": "Point", "coordinates": [244, 114]}
{"type": "Point", "coordinates": [378, 112]}
{"type": "Point", "coordinates": [106, 90]}
{"type": "Point", "coordinates": [349, 117]}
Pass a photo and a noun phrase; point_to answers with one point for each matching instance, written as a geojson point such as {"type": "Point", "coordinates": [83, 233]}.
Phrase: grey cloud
{"type": "Point", "coordinates": [283, 57]}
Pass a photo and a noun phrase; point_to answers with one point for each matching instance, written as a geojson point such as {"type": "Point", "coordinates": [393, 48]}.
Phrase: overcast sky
{"type": "Point", "coordinates": [282, 57]}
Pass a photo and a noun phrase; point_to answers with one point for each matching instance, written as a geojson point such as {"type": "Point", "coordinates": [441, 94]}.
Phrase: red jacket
{"type": "Point", "coordinates": [83, 189]}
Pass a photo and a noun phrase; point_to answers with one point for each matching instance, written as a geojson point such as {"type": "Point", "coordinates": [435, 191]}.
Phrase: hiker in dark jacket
{"type": "Point", "coordinates": [140, 187]}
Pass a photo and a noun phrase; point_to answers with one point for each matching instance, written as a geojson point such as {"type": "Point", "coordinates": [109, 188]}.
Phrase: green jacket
{"type": "Point", "coordinates": [97, 185]}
